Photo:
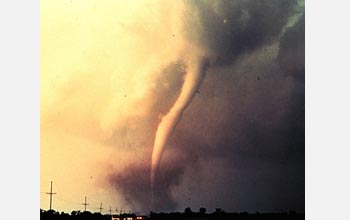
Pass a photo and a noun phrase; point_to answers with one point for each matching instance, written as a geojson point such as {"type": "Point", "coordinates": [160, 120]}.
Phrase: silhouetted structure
{"type": "Point", "coordinates": [202, 210]}
{"type": "Point", "coordinates": [51, 193]}
{"type": "Point", "coordinates": [85, 204]}
{"type": "Point", "coordinates": [110, 210]}
{"type": "Point", "coordinates": [100, 208]}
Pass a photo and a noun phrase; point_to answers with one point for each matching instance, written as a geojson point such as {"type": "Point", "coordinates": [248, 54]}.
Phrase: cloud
{"type": "Point", "coordinates": [239, 144]}
{"type": "Point", "coordinates": [134, 185]}
{"type": "Point", "coordinates": [228, 29]}
{"type": "Point", "coordinates": [243, 134]}
{"type": "Point", "coordinates": [291, 56]}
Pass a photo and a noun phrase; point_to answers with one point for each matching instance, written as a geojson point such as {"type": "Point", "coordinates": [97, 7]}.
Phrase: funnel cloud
{"type": "Point", "coordinates": [193, 78]}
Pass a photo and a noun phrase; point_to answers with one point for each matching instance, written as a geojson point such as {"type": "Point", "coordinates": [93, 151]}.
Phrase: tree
{"type": "Point", "coordinates": [188, 210]}
{"type": "Point", "coordinates": [202, 210]}
{"type": "Point", "coordinates": [74, 213]}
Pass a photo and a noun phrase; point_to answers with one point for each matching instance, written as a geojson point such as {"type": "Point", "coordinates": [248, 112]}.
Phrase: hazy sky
{"type": "Point", "coordinates": [112, 70]}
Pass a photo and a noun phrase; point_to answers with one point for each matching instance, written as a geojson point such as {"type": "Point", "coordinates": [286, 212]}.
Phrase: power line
{"type": "Point", "coordinates": [100, 208]}
{"type": "Point", "coordinates": [51, 193]}
{"type": "Point", "coordinates": [85, 204]}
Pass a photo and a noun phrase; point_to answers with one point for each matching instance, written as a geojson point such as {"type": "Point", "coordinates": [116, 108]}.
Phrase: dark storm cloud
{"type": "Point", "coordinates": [240, 144]}
{"type": "Point", "coordinates": [291, 56]}
{"type": "Point", "coordinates": [251, 116]}
{"type": "Point", "coordinates": [229, 28]}
{"type": "Point", "coordinates": [135, 187]}
{"type": "Point", "coordinates": [258, 133]}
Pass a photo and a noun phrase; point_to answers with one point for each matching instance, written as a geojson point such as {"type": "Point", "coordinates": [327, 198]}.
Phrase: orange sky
{"type": "Point", "coordinates": [99, 63]}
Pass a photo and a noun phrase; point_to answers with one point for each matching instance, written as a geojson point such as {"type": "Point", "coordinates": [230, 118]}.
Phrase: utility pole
{"type": "Point", "coordinates": [110, 210]}
{"type": "Point", "coordinates": [100, 208]}
{"type": "Point", "coordinates": [85, 204]}
{"type": "Point", "coordinates": [51, 193]}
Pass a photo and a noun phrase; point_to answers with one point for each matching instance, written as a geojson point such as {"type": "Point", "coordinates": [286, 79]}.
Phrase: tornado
{"type": "Point", "coordinates": [193, 78]}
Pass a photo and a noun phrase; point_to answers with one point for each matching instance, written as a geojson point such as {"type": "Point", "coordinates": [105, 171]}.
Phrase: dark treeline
{"type": "Point", "coordinates": [186, 215]}
{"type": "Point", "coordinates": [222, 215]}
{"type": "Point", "coordinates": [76, 215]}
